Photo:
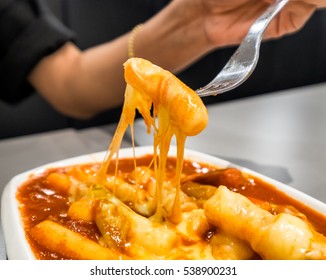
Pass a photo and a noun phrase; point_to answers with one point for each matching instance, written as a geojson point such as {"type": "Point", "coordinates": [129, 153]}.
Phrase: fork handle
{"type": "Point", "coordinates": [255, 31]}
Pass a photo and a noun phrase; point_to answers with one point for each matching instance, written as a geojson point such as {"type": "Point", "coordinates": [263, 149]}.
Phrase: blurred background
{"type": "Point", "coordinates": [293, 61]}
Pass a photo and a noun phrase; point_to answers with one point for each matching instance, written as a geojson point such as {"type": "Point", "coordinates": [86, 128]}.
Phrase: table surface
{"type": "Point", "coordinates": [281, 135]}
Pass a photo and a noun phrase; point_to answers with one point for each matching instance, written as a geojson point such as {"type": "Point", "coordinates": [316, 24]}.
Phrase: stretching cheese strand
{"type": "Point", "coordinates": [179, 112]}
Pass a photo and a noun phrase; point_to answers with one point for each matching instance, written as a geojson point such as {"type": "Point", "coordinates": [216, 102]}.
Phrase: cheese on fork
{"type": "Point", "coordinates": [172, 109]}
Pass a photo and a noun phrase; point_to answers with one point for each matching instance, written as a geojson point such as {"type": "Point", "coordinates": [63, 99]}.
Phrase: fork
{"type": "Point", "coordinates": [243, 62]}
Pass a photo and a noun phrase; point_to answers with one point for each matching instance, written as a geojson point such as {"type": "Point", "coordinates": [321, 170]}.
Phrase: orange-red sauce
{"type": "Point", "coordinates": [40, 201]}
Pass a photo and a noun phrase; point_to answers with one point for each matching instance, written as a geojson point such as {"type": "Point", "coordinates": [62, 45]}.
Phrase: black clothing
{"type": "Point", "coordinates": [295, 60]}
{"type": "Point", "coordinates": [28, 31]}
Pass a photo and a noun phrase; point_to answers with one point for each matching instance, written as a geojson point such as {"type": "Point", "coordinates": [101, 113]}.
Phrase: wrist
{"type": "Point", "coordinates": [173, 38]}
{"type": "Point", "coordinates": [132, 38]}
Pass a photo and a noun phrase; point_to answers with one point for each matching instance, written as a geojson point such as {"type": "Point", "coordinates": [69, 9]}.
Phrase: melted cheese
{"type": "Point", "coordinates": [172, 109]}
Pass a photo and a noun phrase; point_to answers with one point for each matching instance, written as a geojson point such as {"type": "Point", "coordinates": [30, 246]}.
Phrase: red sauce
{"type": "Point", "coordinates": [40, 201]}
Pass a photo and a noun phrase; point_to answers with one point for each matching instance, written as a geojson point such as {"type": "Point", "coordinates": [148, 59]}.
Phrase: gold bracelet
{"type": "Point", "coordinates": [131, 40]}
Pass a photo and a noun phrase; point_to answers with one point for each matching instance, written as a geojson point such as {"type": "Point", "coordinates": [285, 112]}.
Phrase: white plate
{"type": "Point", "coordinates": [16, 244]}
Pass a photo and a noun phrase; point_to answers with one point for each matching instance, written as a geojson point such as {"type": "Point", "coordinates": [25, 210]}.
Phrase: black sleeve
{"type": "Point", "coordinates": [28, 32]}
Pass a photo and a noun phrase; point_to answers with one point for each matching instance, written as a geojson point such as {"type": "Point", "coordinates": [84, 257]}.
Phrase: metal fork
{"type": "Point", "coordinates": [244, 60]}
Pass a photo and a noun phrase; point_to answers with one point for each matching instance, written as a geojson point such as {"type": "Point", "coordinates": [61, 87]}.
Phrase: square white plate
{"type": "Point", "coordinates": [16, 244]}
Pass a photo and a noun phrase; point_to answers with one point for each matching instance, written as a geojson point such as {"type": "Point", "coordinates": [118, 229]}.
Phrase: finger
{"type": "Point", "coordinates": [291, 19]}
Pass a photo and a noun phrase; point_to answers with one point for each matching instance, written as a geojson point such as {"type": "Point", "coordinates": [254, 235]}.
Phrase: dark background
{"type": "Point", "coordinates": [293, 61]}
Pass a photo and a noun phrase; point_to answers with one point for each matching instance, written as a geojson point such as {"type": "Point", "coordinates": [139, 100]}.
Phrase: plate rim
{"type": "Point", "coordinates": [12, 225]}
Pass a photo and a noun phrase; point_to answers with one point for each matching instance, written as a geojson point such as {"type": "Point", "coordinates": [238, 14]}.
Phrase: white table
{"type": "Point", "coordinates": [281, 135]}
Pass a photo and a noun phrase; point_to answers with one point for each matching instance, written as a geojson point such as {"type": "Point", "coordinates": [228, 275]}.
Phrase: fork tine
{"type": "Point", "coordinates": [243, 62]}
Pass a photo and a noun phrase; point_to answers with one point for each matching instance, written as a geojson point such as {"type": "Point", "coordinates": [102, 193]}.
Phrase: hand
{"type": "Point", "coordinates": [175, 38]}
{"type": "Point", "coordinates": [226, 22]}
